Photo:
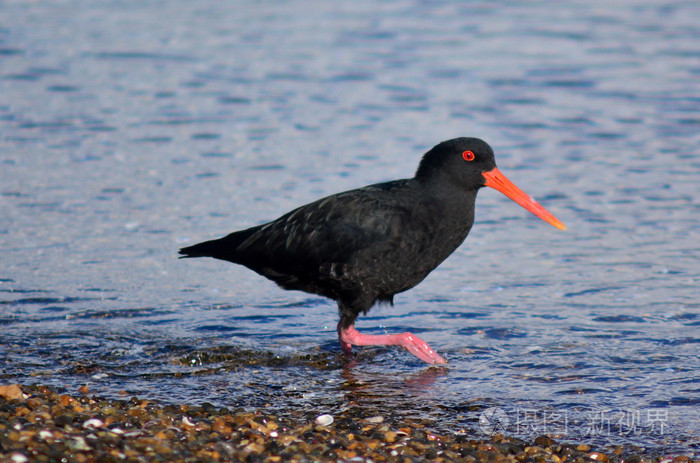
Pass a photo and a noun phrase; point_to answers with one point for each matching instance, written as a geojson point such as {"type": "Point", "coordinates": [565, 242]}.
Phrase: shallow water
{"type": "Point", "coordinates": [128, 131]}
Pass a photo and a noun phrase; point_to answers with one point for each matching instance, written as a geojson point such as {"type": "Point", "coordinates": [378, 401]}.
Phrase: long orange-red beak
{"type": "Point", "coordinates": [495, 179]}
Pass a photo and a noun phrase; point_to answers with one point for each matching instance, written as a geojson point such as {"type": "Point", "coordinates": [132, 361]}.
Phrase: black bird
{"type": "Point", "coordinates": [364, 246]}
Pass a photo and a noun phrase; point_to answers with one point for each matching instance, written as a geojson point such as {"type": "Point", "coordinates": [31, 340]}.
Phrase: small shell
{"type": "Point", "coordinates": [93, 423]}
{"type": "Point", "coordinates": [324, 420]}
{"type": "Point", "coordinates": [18, 458]}
{"type": "Point", "coordinates": [186, 421]}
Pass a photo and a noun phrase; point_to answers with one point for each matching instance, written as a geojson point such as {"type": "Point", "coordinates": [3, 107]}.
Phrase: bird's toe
{"type": "Point", "coordinates": [421, 349]}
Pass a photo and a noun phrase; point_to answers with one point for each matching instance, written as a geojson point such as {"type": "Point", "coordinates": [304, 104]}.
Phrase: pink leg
{"type": "Point", "coordinates": [350, 336]}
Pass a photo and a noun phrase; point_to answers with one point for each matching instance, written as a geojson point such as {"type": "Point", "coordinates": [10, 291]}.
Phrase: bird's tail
{"type": "Point", "coordinates": [205, 249]}
{"type": "Point", "coordinates": [225, 248]}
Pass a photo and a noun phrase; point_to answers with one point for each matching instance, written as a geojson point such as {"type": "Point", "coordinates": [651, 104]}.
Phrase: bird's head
{"type": "Point", "coordinates": [469, 163]}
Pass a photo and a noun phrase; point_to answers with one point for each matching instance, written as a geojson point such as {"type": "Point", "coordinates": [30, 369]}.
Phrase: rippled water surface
{"type": "Point", "coordinates": [130, 129]}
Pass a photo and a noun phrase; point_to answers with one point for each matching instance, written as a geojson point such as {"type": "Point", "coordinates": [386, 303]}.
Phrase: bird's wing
{"type": "Point", "coordinates": [331, 234]}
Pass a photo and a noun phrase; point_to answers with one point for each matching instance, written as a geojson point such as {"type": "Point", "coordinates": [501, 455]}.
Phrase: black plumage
{"type": "Point", "coordinates": [364, 246]}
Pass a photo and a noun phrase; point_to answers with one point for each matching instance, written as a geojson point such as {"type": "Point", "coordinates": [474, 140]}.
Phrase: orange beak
{"type": "Point", "coordinates": [495, 179]}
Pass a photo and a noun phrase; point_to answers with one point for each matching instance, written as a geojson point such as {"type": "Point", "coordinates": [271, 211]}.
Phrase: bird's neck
{"type": "Point", "coordinates": [449, 215]}
{"type": "Point", "coordinates": [450, 206]}
{"type": "Point", "coordinates": [445, 191]}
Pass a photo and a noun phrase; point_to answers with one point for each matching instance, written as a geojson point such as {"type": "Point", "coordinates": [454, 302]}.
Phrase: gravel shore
{"type": "Point", "coordinates": [38, 424]}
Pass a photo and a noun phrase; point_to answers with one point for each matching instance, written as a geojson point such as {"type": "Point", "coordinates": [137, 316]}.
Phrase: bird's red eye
{"type": "Point", "coordinates": [468, 156]}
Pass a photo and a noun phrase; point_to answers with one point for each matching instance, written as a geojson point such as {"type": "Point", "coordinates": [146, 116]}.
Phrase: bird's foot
{"type": "Point", "coordinates": [349, 337]}
{"type": "Point", "coordinates": [420, 349]}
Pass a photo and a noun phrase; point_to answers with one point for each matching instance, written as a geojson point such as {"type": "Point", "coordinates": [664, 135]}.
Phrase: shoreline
{"type": "Point", "coordinates": [37, 423]}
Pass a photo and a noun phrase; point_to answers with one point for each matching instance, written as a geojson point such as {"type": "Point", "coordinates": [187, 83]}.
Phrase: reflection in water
{"type": "Point", "coordinates": [371, 391]}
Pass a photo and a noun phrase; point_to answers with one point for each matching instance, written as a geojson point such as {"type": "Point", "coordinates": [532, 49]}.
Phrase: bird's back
{"type": "Point", "coordinates": [362, 243]}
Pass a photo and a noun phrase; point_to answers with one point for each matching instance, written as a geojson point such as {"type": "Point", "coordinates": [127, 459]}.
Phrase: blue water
{"type": "Point", "coordinates": [128, 130]}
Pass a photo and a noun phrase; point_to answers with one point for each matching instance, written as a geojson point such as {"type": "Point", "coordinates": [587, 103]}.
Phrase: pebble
{"type": "Point", "coordinates": [597, 456]}
{"type": "Point", "coordinates": [12, 392]}
{"type": "Point", "coordinates": [37, 421]}
{"type": "Point", "coordinates": [324, 420]}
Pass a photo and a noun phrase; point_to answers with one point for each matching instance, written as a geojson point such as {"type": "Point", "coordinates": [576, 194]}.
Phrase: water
{"type": "Point", "coordinates": [129, 130]}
